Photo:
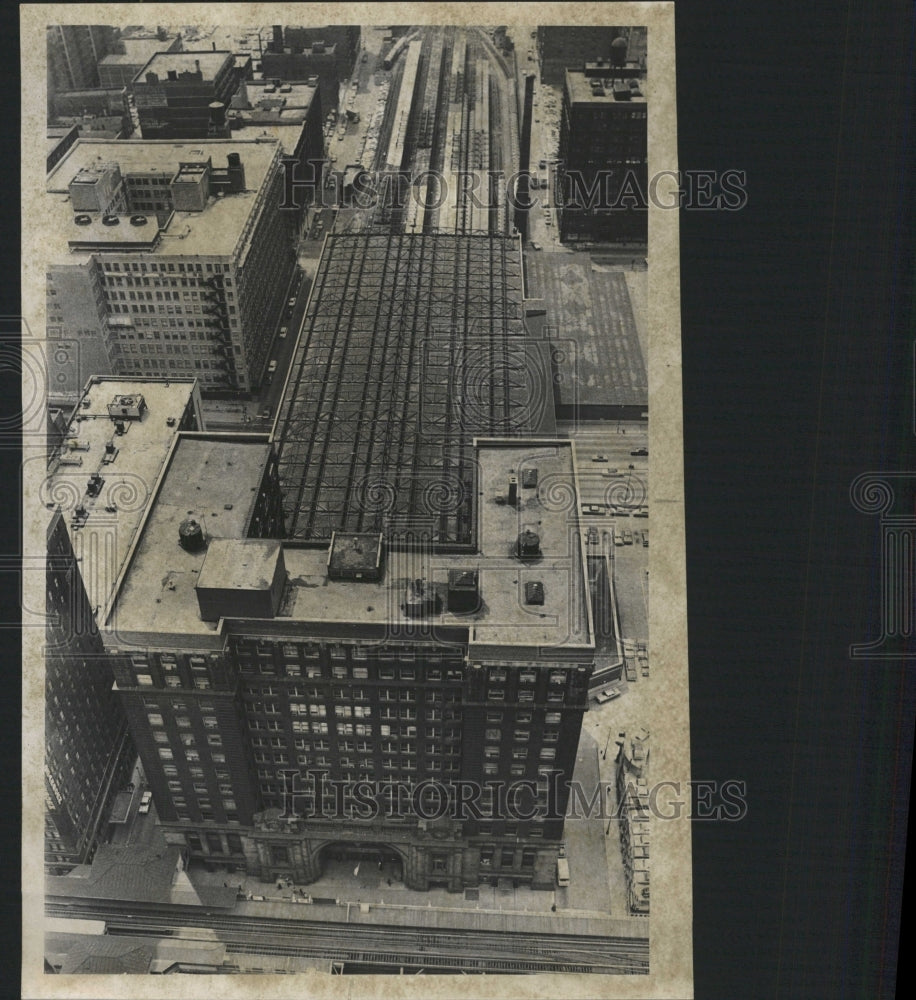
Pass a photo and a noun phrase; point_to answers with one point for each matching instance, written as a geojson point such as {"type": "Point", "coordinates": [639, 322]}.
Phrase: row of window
{"type": "Point", "coordinates": [155, 268]}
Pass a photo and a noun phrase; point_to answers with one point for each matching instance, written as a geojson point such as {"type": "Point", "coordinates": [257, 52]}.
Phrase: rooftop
{"type": "Point", "coordinates": [212, 479]}
{"type": "Point", "coordinates": [581, 90]}
{"type": "Point", "coordinates": [137, 51]}
{"type": "Point", "coordinates": [213, 232]}
{"type": "Point", "coordinates": [239, 564]}
{"type": "Point", "coordinates": [206, 474]}
{"type": "Point", "coordinates": [205, 61]}
{"type": "Point", "coordinates": [112, 518]}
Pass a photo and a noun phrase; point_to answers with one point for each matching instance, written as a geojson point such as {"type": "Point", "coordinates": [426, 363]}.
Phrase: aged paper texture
{"type": "Point", "coordinates": [622, 458]}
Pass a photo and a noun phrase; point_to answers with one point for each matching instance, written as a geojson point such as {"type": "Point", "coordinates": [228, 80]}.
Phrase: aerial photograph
{"type": "Point", "coordinates": [346, 500]}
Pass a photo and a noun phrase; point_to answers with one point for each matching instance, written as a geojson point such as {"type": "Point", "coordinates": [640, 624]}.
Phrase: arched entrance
{"type": "Point", "coordinates": [360, 860]}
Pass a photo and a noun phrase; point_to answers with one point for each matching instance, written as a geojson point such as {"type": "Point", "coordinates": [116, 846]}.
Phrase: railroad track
{"type": "Point", "coordinates": [378, 946]}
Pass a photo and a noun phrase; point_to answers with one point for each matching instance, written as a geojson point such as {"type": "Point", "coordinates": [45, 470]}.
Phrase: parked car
{"type": "Point", "coordinates": [145, 800]}
{"type": "Point", "coordinates": [272, 367]}
{"type": "Point", "coordinates": [284, 330]}
{"type": "Point", "coordinates": [607, 694]}
{"type": "Point", "coordinates": [640, 451]}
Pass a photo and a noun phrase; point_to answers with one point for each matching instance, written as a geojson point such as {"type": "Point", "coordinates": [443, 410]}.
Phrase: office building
{"type": "Point", "coordinates": [184, 95]}
{"type": "Point", "coordinates": [169, 259]}
{"type": "Point", "coordinates": [563, 47]}
{"type": "Point", "coordinates": [603, 174]}
{"type": "Point", "coordinates": [298, 53]}
{"type": "Point", "coordinates": [290, 113]}
{"type": "Point", "coordinates": [109, 452]}
{"type": "Point", "coordinates": [88, 750]}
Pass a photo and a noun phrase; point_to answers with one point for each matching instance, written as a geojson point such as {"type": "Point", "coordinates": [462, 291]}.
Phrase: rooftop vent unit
{"type": "Point", "coordinates": [131, 407]}
{"type": "Point", "coordinates": [95, 484]}
{"type": "Point", "coordinates": [82, 220]}
{"type": "Point", "coordinates": [463, 591]}
{"type": "Point", "coordinates": [529, 544]}
{"type": "Point", "coordinates": [138, 220]}
{"type": "Point", "coordinates": [120, 427]}
{"type": "Point", "coordinates": [110, 220]}
{"type": "Point", "coordinates": [534, 592]}
{"type": "Point", "coordinates": [422, 600]}
{"type": "Point", "coordinates": [191, 535]}
{"type": "Point", "coordinates": [529, 479]}
{"type": "Point", "coordinates": [513, 491]}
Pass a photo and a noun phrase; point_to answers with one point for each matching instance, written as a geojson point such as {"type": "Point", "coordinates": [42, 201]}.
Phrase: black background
{"type": "Point", "coordinates": [798, 337]}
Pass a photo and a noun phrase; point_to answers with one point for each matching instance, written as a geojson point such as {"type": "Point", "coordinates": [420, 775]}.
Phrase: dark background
{"type": "Point", "coordinates": [798, 333]}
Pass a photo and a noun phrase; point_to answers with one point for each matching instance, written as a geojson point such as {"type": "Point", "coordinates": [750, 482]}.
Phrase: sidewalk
{"type": "Point", "coordinates": [365, 893]}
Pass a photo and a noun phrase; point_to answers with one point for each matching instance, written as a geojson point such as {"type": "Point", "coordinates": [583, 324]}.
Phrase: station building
{"type": "Point", "coordinates": [373, 695]}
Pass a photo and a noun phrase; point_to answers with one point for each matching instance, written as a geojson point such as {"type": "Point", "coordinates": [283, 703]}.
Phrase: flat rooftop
{"type": "Point", "coordinates": [205, 61]}
{"type": "Point", "coordinates": [158, 594]}
{"type": "Point", "coordinates": [213, 232]}
{"type": "Point", "coordinates": [102, 538]}
{"type": "Point", "coordinates": [214, 480]}
{"type": "Point", "coordinates": [593, 329]}
{"type": "Point", "coordinates": [299, 95]}
{"type": "Point", "coordinates": [137, 51]}
{"type": "Point", "coordinates": [503, 619]}
{"type": "Point", "coordinates": [581, 92]}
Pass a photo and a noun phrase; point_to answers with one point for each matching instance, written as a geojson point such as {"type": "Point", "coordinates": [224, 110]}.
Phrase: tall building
{"type": "Point", "coordinates": [603, 174]}
{"type": "Point", "coordinates": [166, 258]}
{"type": "Point", "coordinates": [184, 95]}
{"type": "Point", "coordinates": [563, 47]}
{"type": "Point", "coordinates": [297, 53]}
{"type": "Point", "coordinates": [74, 53]}
{"type": "Point", "coordinates": [88, 750]}
{"type": "Point", "coordinates": [395, 703]}
{"type": "Point", "coordinates": [290, 113]}
{"type": "Point", "coordinates": [108, 455]}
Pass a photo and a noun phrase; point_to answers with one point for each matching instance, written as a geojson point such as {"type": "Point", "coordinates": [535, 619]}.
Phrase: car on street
{"type": "Point", "coordinates": [272, 367]}
{"type": "Point", "coordinates": [265, 412]}
{"type": "Point", "coordinates": [145, 799]}
{"type": "Point", "coordinates": [607, 694]}
{"type": "Point", "coordinates": [284, 330]}
{"type": "Point", "coordinates": [292, 302]}
{"type": "Point", "coordinates": [599, 458]}
{"type": "Point", "coordinates": [640, 451]}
